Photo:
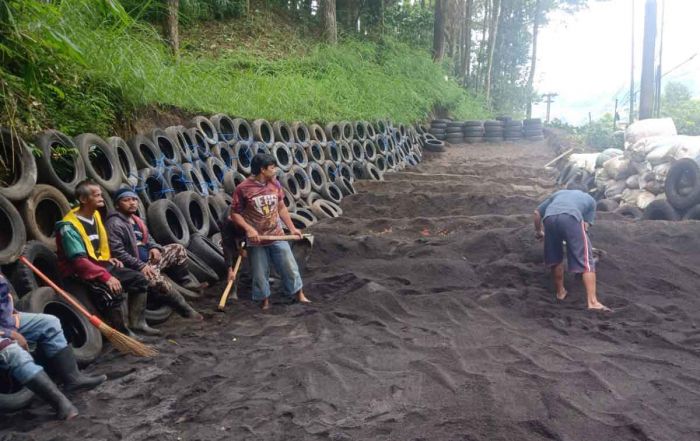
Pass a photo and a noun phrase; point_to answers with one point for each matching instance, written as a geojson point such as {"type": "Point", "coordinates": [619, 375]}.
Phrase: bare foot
{"type": "Point", "coordinates": [265, 305]}
{"type": "Point", "coordinates": [562, 295]}
{"type": "Point", "coordinates": [301, 298]}
{"type": "Point", "coordinates": [599, 307]}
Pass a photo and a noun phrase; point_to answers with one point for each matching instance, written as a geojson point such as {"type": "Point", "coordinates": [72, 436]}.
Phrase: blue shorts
{"type": "Point", "coordinates": [564, 227]}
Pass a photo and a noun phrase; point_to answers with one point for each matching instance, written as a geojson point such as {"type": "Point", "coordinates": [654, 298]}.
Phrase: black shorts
{"type": "Point", "coordinates": [564, 227]}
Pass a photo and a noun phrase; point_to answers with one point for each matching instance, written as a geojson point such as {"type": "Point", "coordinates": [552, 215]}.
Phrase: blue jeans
{"type": "Point", "coordinates": [44, 330]}
{"type": "Point", "coordinates": [282, 258]}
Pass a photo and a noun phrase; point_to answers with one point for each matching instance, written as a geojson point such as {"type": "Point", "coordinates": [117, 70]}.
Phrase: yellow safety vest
{"type": "Point", "coordinates": [101, 232]}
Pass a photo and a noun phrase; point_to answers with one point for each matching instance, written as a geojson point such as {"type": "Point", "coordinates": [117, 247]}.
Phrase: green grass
{"type": "Point", "coordinates": [127, 67]}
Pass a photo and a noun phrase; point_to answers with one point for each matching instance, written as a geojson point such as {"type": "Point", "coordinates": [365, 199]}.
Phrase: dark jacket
{"type": "Point", "coordinates": [122, 240]}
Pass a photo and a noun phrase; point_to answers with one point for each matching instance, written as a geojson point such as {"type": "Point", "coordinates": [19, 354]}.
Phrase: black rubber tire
{"type": "Point", "coordinates": [156, 312]}
{"type": "Point", "coordinates": [44, 206]}
{"type": "Point", "coordinates": [166, 146]}
{"type": "Point", "coordinates": [300, 132]}
{"type": "Point", "coordinates": [457, 129]}
{"type": "Point", "coordinates": [314, 151]}
{"type": "Point", "coordinates": [104, 171]}
{"type": "Point", "coordinates": [372, 172]}
{"type": "Point", "coordinates": [225, 128]}
{"type": "Point", "coordinates": [290, 185]}
{"type": "Point", "coordinates": [332, 192]}
{"type": "Point", "coordinates": [317, 176]}
{"type": "Point", "coordinates": [317, 133]}
{"type": "Point", "coordinates": [683, 184]}
{"type": "Point", "coordinates": [13, 234]}
{"type": "Point", "coordinates": [71, 169]}
{"type": "Point", "coordinates": [85, 339]}
{"type": "Point", "coordinates": [324, 209]}
{"type": "Point", "coordinates": [630, 212]}
{"type": "Point", "coordinates": [144, 151]}
{"type": "Point", "coordinates": [660, 210]}
{"type": "Point", "coordinates": [231, 180]}
{"type": "Point", "coordinates": [225, 153]}
{"type": "Point", "coordinates": [333, 132]}
{"type": "Point", "coordinates": [244, 132]}
{"type": "Point", "coordinates": [200, 270]}
{"type": "Point", "coordinates": [283, 132]}
{"type": "Point", "coordinates": [210, 254]}
{"type": "Point", "coordinates": [13, 396]}
{"type": "Point", "coordinates": [153, 186]}
{"type": "Point", "coordinates": [218, 210]}
{"type": "Point", "coordinates": [330, 170]}
{"type": "Point", "coordinates": [606, 205]}
{"type": "Point", "coordinates": [23, 278]}
{"type": "Point", "coordinates": [179, 134]}
{"type": "Point", "coordinates": [17, 156]}
{"type": "Point", "coordinates": [194, 175]}
{"type": "Point", "coordinates": [206, 128]}
{"type": "Point", "coordinates": [177, 180]}
{"type": "Point", "coordinates": [244, 154]}
{"type": "Point", "coordinates": [216, 168]}
{"type": "Point", "coordinates": [263, 131]}
{"type": "Point", "coordinates": [301, 158]}
{"type": "Point", "coordinates": [302, 179]}
{"type": "Point", "coordinates": [282, 155]}
{"type": "Point", "coordinates": [126, 164]}
{"type": "Point", "coordinates": [195, 211]}
{"type": "Point", "coordinates": [345, 186]}
{"type": "Point", "coordinates": [347, 129]}
{"type": "Point", "coordinates": [167, 224]}
{"type": "Point", "coordinates": [360, 128]}
{"type": "Point", "coordinates": [345, 151]}
{"type": "Point", "coordinates": [432, 145]}
{"type": "Point", "coordinates": [693, 213]}
{"type": "Point", "coordinates": [332, 151]}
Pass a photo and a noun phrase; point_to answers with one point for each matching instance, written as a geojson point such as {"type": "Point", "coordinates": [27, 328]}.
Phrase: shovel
{"type": "Point", "coordinates": [232, 282]}
{"type": "Point", "coordinates": [301, 254]}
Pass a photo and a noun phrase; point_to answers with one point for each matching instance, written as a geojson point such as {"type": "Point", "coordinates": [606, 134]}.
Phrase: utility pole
{"type": "Point", "coordinates": [632, 71]}
{"type": "Point", "coordinates": [646, 90]}
{"type": "Point", "coordinates": [549, 100]}
{"type": "Point", "coordinates": [657, 102]}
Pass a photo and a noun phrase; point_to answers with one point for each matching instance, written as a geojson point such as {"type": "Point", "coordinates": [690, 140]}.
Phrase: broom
{"type": "Point", "coordinates": [123, 343]}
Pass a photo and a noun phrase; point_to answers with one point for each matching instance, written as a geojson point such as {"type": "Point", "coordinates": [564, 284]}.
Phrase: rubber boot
{"type": "Point", "coordinates": [63, 364]}
{"type": "Point", "coordinates": [182, 276]}
{"type": "Point", "coordinates": [118, 317]}
{"type": "Point", "coordinates": [180, 305]}
{"type": "Point", "coordinates": [42, 385]}
{"type": "Point", "coordinates": [137, 314]}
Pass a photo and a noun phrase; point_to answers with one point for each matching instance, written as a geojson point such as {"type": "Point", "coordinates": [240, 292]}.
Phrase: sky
{"type": "Point", "coordinates": [585, 57]}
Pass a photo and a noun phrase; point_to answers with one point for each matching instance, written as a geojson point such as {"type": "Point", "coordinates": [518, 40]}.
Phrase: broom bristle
{"type": "Point", "coordinates": [125, 344]}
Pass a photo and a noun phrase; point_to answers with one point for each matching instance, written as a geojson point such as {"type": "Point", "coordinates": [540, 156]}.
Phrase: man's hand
{"type": "Point", "coordinates": [294, 231]}
{"type": "Point", "coordinates": [253, 235]}
{"type": "Point", "coordinates": [19, 338]}
{"type": "Point", "coordinates": [149, 271]}
{"type": "Point", "coordinates": [154, 255]}
{"type": "Point", "coordinates": [539, 234]}
{"type": "Point", "coordinates": [114, 285]}
{"type": "Point", "coordinates": [116, 262]}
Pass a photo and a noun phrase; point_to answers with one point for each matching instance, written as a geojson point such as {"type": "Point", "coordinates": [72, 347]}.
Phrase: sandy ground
{"type": "Point", "coordinates": [433, 319]}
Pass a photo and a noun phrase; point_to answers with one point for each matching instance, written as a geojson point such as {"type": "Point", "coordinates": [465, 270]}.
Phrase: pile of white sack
{"type": "Point", "coordinates": [633, 181]}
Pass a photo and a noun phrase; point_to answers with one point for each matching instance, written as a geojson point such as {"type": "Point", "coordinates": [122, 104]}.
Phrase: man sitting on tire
{"type": "Point", "coordinates": [16, 328]}
{"type": "Point", "coordinates": [130, 242]}
{"type": "Point", "coordinates": [566, 216]}
{"type": "Point", "coordinates": [84, 254]}
{"type": "Point", "coordinates": [257, 207]}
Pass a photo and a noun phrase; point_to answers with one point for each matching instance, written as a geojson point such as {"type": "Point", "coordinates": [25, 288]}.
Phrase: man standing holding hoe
{"type": "Point", "coordinates": [566, 216]}
{"type": "Point", "coordinates": [257, 207]}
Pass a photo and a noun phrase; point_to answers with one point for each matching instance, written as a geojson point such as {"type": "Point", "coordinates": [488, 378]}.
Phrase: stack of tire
{"type": "Point", "coordinates": [473, 131]}
{"type": "Point", "coordinates": [184, 176]}
{"type": "Point", "coordinates": [532, 129]}
{"type": "Point", "coordinates": [493, 131]}
{"type": "Point", "coordinates": [455, 132]}
{"type": "Point", "coordinates": [438, 128]}
{"type": "Point", "coordinates": [513, 130]}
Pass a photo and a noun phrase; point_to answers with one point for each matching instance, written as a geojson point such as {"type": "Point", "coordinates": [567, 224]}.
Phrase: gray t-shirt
{"type": "Point", "coordinates": [574, 202]}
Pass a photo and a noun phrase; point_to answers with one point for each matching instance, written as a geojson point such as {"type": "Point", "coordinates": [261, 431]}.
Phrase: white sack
{"type": "Point", "coordinates": [645, 198]}
{"type": "Point", "coordinates": [649, 127]}
{"type": "Point", "coordinates": [617, 168]}
{"type": "Point", "coordinates": [586, 161]}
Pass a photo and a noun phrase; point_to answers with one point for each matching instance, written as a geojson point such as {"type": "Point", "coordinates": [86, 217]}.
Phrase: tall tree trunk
{"type": "Point", "coordinates": [171, 27]}
{"type": "Point", "coordinates": [533, 61]}
{"type": "Point", "coordinates": [493, 32]}
{"type": "Point", "coordinates": [646, 89]}
{"type": "Point", "coordinates": [328, 21]}
{"type": "Point", "coordinates": [466, 42]}
{"type": "Point", "coordinates": [439, 31]}
{"type": "Point", "coordinates": [482, 46]}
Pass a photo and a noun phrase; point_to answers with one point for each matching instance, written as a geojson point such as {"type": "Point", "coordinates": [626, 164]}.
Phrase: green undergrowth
{"type": "Point", "coordinates": [109, 66]}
